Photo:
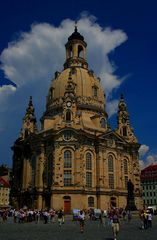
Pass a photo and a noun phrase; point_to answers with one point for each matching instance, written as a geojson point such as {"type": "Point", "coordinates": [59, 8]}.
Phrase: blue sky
{"type": "Point", "coordinates": [125, 51]}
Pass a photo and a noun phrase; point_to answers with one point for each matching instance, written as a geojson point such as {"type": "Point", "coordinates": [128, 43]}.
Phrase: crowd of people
{"type": "Point", "coordinates": [111, 217]}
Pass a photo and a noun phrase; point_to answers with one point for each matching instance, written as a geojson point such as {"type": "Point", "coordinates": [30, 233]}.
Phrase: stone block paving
{"type": "Point", "coordinates": [70, 231]}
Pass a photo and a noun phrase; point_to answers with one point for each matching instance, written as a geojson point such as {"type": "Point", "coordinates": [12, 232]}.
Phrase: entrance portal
{"type": "Point", "coordinates": [113, 202]}
{"type": "Point", "coordinates": [67, 204]}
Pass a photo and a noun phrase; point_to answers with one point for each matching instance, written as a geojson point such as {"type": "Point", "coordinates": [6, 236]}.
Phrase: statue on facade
{"type": "Point", "coordinates": [130, 187]}
{"type": "Point", "coordinates": [130, 196]}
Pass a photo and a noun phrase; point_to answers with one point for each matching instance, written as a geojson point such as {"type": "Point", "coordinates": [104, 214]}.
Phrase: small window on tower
{"type": "Point", "coordinates": [51, 95]}
{"type": "Point", "coordinates": [95, 91]}
{"type": "Point", "coordinates": [26, 133]}
{"type": "Point", "coordinates": [80, 51]}
{"type": "Point", "coordinates": [103, 123]}
{"type": "Point", "coordinates": [70, 52]}
{"type": "Point", "coordinates": [124, 131]}
{"type": "Point", "coordinates": [68, 116]}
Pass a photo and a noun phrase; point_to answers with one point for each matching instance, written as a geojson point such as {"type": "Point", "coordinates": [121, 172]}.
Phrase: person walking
{"type": "Point", "coordinates": [129, 216]}
{"type": "Point", "coordinates": [60, 217]}
{"type": "Point", "coordinates": [115, 224]}
{"type": "Point", "coordinates": [101, 218]}
{"type": "Point", "coordinates": [149, 220]}
{"type": "Point", "coordinates": [82, 220]}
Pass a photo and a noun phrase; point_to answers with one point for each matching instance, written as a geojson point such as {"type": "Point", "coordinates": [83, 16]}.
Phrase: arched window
{"type": "Point", "coordinates": [51, 95]}
{"type": "Point", "coordinates": [67, 159]}
{"type": "Point", "coordinates": [95, 91]}
{"type": "Point", "coordinates": [125, 162]}
{"type": "Point", "coordinates": [68, 115]}
{"type": "Point", "coordinates": [89, 179]}
{"type": "Point", "coordinates": [88, 170]}
{"type": "Point", "coordinates": [26, 133]}
{"type": "Point", "coordinates": [67, 178]}
{"type": "Point", "coordinates": [80, 51]}
{"type": "Point", "coordinates": [103, 123]}
{"type": "Point", "coordinates": [124, 131]}
{"type": "Point", "coordinates": [126, 179]}
{"type": "Point", "coordinates": [110, 164]}
{"type": "Point", "coordinates": [91, 202]}
{"type": "Point", "coordinates": [67, 168]}
{"type": "Point", "coordinates": [88, 161]}
{"type": "Point", "coordinates": [67, 135]}
{"type": "Point", "coordinates": [111, 171]}
{"type": "Point", "coordinates": [70, 52]}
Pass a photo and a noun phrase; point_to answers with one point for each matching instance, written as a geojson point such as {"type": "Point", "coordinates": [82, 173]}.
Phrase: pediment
{"type": "Point", "coordinates": [112, 135]}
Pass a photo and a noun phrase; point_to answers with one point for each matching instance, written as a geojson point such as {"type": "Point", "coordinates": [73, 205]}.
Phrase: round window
{"type": "Point", "coordinates": [67, 135]}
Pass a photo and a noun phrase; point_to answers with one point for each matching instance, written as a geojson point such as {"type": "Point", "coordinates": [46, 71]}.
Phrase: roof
{"type": "Point", "coordinates": [76, 35]}
{"type": "Point", "coordinates": [152, 167]}
{"type": "Point", "coordinates": [4, 183]}
{"type": "Point", "coordinates": [149, 173]}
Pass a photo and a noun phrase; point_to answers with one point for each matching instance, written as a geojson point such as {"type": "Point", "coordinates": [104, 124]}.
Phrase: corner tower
{"type": "Point", "coordinates": [124, 129]}
{"type": "Point", "coordinates": [29, 121]}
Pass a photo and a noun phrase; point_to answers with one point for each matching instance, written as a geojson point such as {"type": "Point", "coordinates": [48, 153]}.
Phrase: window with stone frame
{"type": "Point", "coordinates": [88, 179]}
{"type": "Point", "coordinates": [91, 202]}
{"type": "Point", "coordinates": [125, 168]}
{"type": "Point", "coordinates": [110, 164]}
{"type": "Point", "coordinates": [111, 171]}
{"type": "Point", "coordinates": [68, 116]}
{"type": "Point", "coordinates": [125, 163]}
{"type": "Point", "coordinates": [88, 161]}
{"type": "Point", "coordinates": [67, 177]}
{"type": "Point", "coordinates": [103, 123]}
{"type": "Point", "coordinates": [124, 131]}
{"type": "Point", "coordinates": [67, 168]}
{"type": "Point", "coordinates": [88, 169]}
{"type": "Point", "coordinates": [67, 135]}
{"type": "Point", "coordinates": [67, 159]}
{"type": "Point", "coordinates": [94, 91]}
{"type": "Point", "coordinates": [126, 181]}
{"type": "Point", "coordinates": [51, 93]}
{"type": "Point", "coordinates": [111, 180]}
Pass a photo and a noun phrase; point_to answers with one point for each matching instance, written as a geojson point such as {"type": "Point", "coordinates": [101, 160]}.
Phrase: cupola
{"type": "Point", "coordinates": [76, 50]}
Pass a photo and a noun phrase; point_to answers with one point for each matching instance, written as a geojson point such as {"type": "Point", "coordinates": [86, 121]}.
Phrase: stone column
{"type": "Point", "coordinates": [27, 170]}
{"type": "Point", "coordinates": [40, 168]}
{"type": "Point", "coordinates": [40, 159]}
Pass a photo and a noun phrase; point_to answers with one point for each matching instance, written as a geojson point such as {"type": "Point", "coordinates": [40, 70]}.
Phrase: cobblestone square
{"type": "Point", "coordinates": [70, 231]}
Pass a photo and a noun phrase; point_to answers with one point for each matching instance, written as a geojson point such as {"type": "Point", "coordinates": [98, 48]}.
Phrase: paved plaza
{"type": "Point", "coordinates": [70, 231]}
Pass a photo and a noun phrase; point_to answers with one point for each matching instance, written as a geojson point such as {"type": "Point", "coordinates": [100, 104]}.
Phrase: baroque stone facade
{"type": "Point", "coordinates": [75, 160]}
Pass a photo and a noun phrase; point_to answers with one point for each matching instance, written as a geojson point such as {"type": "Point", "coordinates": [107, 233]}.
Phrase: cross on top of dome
{"type": "Point", "coordinates": [76, 34]}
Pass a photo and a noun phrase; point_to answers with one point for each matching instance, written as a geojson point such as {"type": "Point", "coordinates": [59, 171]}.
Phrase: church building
{"type": "Point", "coordinates": [75, 160]}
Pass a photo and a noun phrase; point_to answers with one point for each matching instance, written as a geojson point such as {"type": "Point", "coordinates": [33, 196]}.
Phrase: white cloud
{"type": "Point", "coordinates": [112, 107]}
{"type": "Point", "coordinates": [142, 164]}
{"type": "Point", "coordinates": [5, 92]}
{"type": "Point", "coordinates": [150, 159]}
{"type": "Point", "coordinates": [143, 150]}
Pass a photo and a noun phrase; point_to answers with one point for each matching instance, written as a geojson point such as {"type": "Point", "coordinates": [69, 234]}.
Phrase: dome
{"type": "Point", "coordinates": [76, 87]}
{"type": "Point", "coordinates": [88, 92]}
